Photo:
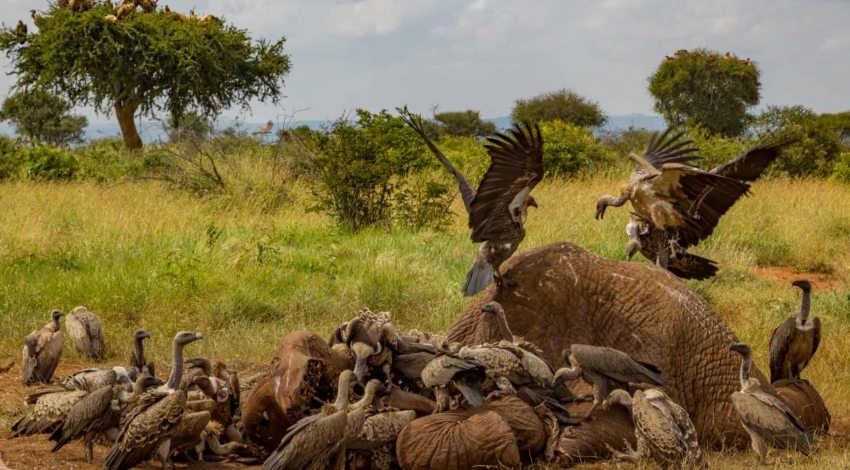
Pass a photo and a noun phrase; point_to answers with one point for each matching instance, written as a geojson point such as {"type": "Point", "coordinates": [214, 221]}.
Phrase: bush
{"type": "Point", "coordinates": [624, 142]}
{"type": "Point", "coordinates": [368, 174]}
{"type": "Point", "coordinates": [568, 150]}
{"type": "Point", "coordinates": [10, 160]}
{"type": "Point", "coordinates": [44, 163]}
{"type": "Point", "coordinates": [107, 160]}
{"type": "Point", "coordinates": [842, 168]}
{"type": "Point", "coordinates": [563, 105]}
{"type": "Point", "coordinates": [464, 124]}
{"type": "Point", "coordinates": [716, 149]}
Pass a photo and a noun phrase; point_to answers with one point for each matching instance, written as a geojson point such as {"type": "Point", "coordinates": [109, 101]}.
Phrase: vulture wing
{"type": "Point", "coordinates": [616, 365]}
{"type": "Point", "coordinates": [780, 342]}
{"type": "Point", "coordinates": [516, 168]}
{"type": "Point", "coordinates": [48, 358]}
{"type": "Point", "coordinates": [467, 192]}
{"type": "Point", "coordinates": [659, 426]}
{"type": "Point", "coordinates": [751, 164]}
{"type": "Point", "coordinates": [816, 338]}
{"type": "Point", "coordinates": [692, 267]}
{"type": "Point", "coordinates": [442, 369]}
{"type": "Point", "coordinates": [664, 148]}
{"type": "Point", "coordinates": [701, 197]}
{"type": "Point", "coordinates": [81, 416]}
{"type": "Point", "coordinates": [773, 421]}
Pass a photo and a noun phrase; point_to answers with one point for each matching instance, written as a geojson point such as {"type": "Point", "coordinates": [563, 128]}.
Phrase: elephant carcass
{"type": "Point", "coordinates": [800, 395]}
{"type": "Point", "coordinates": [304, 369]}
{"type": "Point", "coordinates": [560, 294]}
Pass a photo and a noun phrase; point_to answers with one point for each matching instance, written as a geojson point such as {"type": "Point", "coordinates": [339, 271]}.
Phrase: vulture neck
{"type": "Point", "coordinates": [176, 366]}
{"type": "Point", "coordinates": [55, 324]}
{"type": "Point", "coordinates": [342, 395]}
{"type": "Point", "coordinates": [746, 364]}
{"type": "Point", "coordinates": [504, 329]}
{"type": "Point", "coordinates": [805, 306]}
{"type": "Point", "coordinates": [368, 396]}
{"type": "Point", "coordinates": [140, 353]}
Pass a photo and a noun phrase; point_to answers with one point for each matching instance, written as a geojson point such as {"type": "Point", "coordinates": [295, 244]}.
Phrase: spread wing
{"type": "Point", "coordinates": [751, 164]}
{"type": "Point", "coordinates": [692, 267]}
{"type": "Point", "coordinates": [516, 167]}
{"type": "Point", "coordinates": [772, 420]}
{"type": "Point", "coordinates": [700, 197]}
{"type": "Point", "coordinates": [467, 192]}
{"type": "Point", "coordinates": [616, 365]}
{"type": "Point", "coordinates": [664, 148]}
{"type": "Point", "coordinates": [779, 344]}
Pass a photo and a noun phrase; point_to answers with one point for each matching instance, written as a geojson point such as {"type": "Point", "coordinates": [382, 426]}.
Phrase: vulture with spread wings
{"type": "Point", "coordinates": [498, 208]}
{"type": "Point", "coordinates": [682, 204]}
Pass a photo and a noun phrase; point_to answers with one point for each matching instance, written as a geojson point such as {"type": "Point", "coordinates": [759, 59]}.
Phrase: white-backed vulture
{"type": "Point", "coordinates": [768, 421]}
{"type": "Point", "coordinates": [42, 351]}
{"type": "Point", "coordinates": [85, 331]}
{"type": "Point", "coordinates": [21, 30]}
{"type": "Point", "coordinates": [796, 340]}
{"type": "Point", "coordinates": [308, 439]}
{"type": "Point", "coordinates": [196, 367]}
{"type": "Point", "coordinates": [605, 369]}
{"type": "Point", "coordinates": [96, 378]}
{"type": "Point", "coordinates": [678, 198]}
{"type": "Point", "coordinates": [372, 338]}
{"type": "Point", "coordinates": [49, 410]}
{"type": "Point", "coordinates": [269, 125]}
{"type": "Point", "coordinates": [36, 18]}
{"type": "Point", "coordinates": [148, 6]}
{"type": "Point", "coordinates": [664, 430]}
{"type": "Point", "coordinates": [189, 434]}
{"type": "Point", "coordinates": [217, 390]}
{"type": "Point", "coordinates": [668, 247]}
{"type": "Point", "coordinates": [98, 412]}
{"type": "Point", "coordinates": [124, 10]}
{"type": "Point", "coordinates": [138, 364]}
{"type": "Point", "coordinates": [463, 371]}
{"type": "Point", "coordinates": [147, 427]}
{"type": "Point", "coordinates": [499, 207]}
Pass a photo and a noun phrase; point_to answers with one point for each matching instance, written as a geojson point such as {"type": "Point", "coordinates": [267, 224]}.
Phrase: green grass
{"type": "Point", "coordinates": [140, 255]}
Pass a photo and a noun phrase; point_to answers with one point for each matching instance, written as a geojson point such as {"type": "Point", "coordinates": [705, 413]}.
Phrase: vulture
{"type": "Point", "coordinates": [85, 331]}
{"type": "Point", "coordinates": [796, 340]}
{"type": "Point", "coordinates": [696, 54]}
{"type": "Point", "coordinates": [174, 15]}
{"type": "Point", "coordinates": [137, 364]}
{"type": "Point", "coordinates": [466, 372]}
{"type": "Point", "coordinates": [745, 61]}
{"type": "Point", "coordinates": [36, 18]}
{"type": "Point", "coordinates": [712, 57]}
{"type": "Point", "coordinates": [372, 339]}
{"type": "Point", "coordinates": [727, 56]}
{"type": "Point", "coordinates": [95, 379]}
{"type": "Point", "coordinates": [146, 428]}
{"type": "Point", "coordinates": [21, 30]}
{"type": "Point", "coordinates": [681, 52]}
{"type": "Point", "coordinates": [110, 18]}
{"type": "Point", "coordinates": [605, 369]}
{"type": "Point", "coordinates": [669, 58]}
{"type": "Point", "coordinates": [663, 429]}
{"type": "Point", "coordinates": [42, 351]}
{"type": "Point", "coordinates": [499, 207]}
{"type": "Point", "coordinates": [269, 125]}
{"type": "Point", "coordinates": [99, 412]}
{"type": "Point", "coordinates": [124, 10]}
{"type": "Point", "coordinates": [148, 6]}
{"type": "Point", "coordinates": [49, 410]}
{"type": "Point", "coordinates": [198, 367]}
{"type": "Point", "coordinates": [682, 203]}
{"type": "Point", "coordinates": [308, 439]}
{"type": "Point", "coordinates": [768, 421]}
{"type": "Point", "coordinates": [217, 390]}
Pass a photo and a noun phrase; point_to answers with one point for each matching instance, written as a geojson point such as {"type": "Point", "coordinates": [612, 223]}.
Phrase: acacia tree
{"type": "Point", "coordinates": [562, 105]}
{"type": "Point", "coordinates": [145, 62]}
{"type": "Point", "coordinates": [703, 88]}
{"type": "Point", "coordinates": [464, 123]}
{"type": "Point", "coordinates": [42, 117]}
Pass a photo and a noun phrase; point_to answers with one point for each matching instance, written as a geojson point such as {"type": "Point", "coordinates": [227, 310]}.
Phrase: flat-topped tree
{"type": "Point", "coordinates": [145, 62]}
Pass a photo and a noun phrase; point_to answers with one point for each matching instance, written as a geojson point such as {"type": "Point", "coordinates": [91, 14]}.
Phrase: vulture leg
{"type": "Point", "coordinates": [630, 455]}
{"type": "Point", "coordinates": [90, 446]}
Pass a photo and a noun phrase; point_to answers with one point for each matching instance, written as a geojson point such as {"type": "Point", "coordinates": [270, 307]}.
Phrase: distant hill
{"type": "Point", "coordinates": [152, 131]}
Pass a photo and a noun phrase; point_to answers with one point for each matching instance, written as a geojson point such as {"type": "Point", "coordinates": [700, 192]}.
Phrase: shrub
{"type": "Point", "coordinates": [563, 105]}
{"type": "Point", "coordinates": [463, 124]}
{"type": "Point", "coordinates": [44, 163]}
{"type": "Point", "coordinates": [715, 149]}
{"type": "Point", "coordinates": [842, 168]}
{"type": "Point", "coordinates": [10, 160]}
{"type": "Point", "coordinates": [367, 174]}
{"type": "Point", "coordinates": [568, 150]}
{"type": "Point", "coordinates": [107, 160]}
{"type": "Point", "coordinates": [624, 142]}
{"type": "Point", "coordinates": [814, 148]}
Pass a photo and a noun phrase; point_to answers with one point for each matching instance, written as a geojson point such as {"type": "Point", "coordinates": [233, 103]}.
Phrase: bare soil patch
{"type": "Point", "coordinates": [785, 275]}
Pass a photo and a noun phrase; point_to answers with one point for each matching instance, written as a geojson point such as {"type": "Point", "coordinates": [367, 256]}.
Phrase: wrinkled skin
{"type": "Point", "coordinates": [561, 294]}
{"type": "Point", "coordinates": [303, 369]}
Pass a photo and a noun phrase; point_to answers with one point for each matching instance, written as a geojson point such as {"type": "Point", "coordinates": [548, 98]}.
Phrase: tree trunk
{"type": "Point", "coordinates": [126, 119]}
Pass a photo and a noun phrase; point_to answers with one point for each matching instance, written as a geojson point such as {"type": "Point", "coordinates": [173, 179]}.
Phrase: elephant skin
{"type": "Point", "coordinates": [560, 294]}
{"type": "Point", "coordinates": [303, 368]}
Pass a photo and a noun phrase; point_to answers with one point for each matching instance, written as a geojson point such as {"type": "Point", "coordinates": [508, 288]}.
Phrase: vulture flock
{"type": "Point", "coordinates": [497, 402]}
{"type": "Point", "coordinates": [119, 13]}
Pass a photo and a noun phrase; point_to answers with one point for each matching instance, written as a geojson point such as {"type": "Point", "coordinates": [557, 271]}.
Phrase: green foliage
{"type": "Point", "coordinates": [368, 174]}
{"type": "Point", "coordinates": [106, 159]}
{"type": "Point", "coordinates": [42, 117]}
{"type": "Point", "coordinates": [840, 124]}
{"type": "Point", "coordinates": [145, 62]}
{"type": "Point", "coordinates": [463, 124]}
{"type": "Point", "coordinates": [842, 168]}
{"type": "Point", "coordinates": [569, 149]}
{"type": "Point", "coordinates": [10, 162]}
{"type": "Point", "coordinates": [190, 126]}
{"type": "Point", "coordinates": [814, 148]}
{"type": "Point", "coordinates": [706, 90]}
{"type": "Point", "coordinates": [717, 149]}
{"type": "Point", "coordinates": [624, 142]}
{"type": "Point", "coordinates": [44, 163]}
{"type": "Point", "coordinates": [564, 105]}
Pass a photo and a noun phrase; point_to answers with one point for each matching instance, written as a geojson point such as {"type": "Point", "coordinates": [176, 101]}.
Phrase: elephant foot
{"type": "Point", "coordinates": [587, 442]}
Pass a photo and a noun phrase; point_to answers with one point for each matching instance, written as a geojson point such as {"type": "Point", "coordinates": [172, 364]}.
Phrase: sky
{"type": "Point", "coordinates": [485, 54]}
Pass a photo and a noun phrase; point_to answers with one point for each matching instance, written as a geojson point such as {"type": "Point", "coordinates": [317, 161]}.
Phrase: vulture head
{"type": "Point", "coordinates": [633, 246]}
{"type": "Point", "coordinates": [618, 397]}
{"type": "Point", "coordinates": [56, 315]}
{"type": "Point", "coordinates": [200, 362]}
{"type": "Point", "coordinates": [209, 386]}
{"type": "Point", "coordinates": [803, 284]}
{"type": "Point", "coordinates": [145, 382]}
{"type": "Point", "coordinates": [122, 376]}
{"type": "Point", "coordinates": [493, 307]}
{"type": "Point", "coordinates": [139, 335]}
{"type": "Point", "coordinates": [742, 348]}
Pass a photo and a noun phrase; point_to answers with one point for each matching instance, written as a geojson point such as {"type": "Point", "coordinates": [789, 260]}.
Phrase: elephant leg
{"type": "Point", "coordinates": [588, 441]}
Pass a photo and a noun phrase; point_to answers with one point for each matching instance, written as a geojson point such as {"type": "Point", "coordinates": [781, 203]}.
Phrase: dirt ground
{"type": "Point", "coordinates": [784, 276]}
{"type": "Point", "coordinates": [31, 453]}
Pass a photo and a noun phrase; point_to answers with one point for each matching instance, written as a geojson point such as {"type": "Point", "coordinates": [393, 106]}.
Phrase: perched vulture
{"type": "Point", "coordinates": [796, 340]}
{"type": "Point", "coordinates": [682, 204]}
{"type": "Point", "coordinates": [42, 351]}
{"type": "Point", "coordinates": [85, 331]}
{"type": "Point", "coordinates": [499, 207]}
{"type": "Point", "coordinates": [605, 369]}
{"type": "Point", "coordinates": [768, 421]}
{"type": "Point", "coordinates": [664, 430]}
{"type": "Point", "coordinates": [138, 364]}
{"type": "Point", "coordinates": [124, 10]}
{"type": "Point", "coordinates": [36, 18]}
{"type": "Point", "coordinates": [147, 426]}
{"type": "Point", "coordinates": [269, 125]}
{"type": "Point", "coordinates": [21, 30]}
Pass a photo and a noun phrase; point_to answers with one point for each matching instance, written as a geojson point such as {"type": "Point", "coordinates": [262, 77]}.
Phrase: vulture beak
{"type": "Point", "coordinates": [632, 247]}
{"type": "Point", "coordinates": [361, 351]}
{"type": "Point", "coordinates": [532, 202]}
{"type": "Point", "coordinates": [559, 380]}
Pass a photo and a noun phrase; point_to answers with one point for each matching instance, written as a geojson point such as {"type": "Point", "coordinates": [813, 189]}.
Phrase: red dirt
{"type": "Point", "coordinates": [784, 276]}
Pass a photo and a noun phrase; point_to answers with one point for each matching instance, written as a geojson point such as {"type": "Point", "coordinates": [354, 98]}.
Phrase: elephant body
{"type": "Point", "coordinates": [560, 294]}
